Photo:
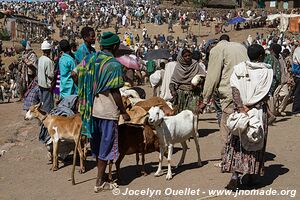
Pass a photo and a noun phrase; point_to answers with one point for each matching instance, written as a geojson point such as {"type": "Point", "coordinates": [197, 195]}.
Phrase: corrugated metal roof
{"type": "Point", "coordinates": [228, 3]}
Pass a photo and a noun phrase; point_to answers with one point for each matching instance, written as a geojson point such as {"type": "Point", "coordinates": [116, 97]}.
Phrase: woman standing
{"type": "Point", "coordinates": [185, 95]}
{"type": "Point", "coordinates": [245, 148]}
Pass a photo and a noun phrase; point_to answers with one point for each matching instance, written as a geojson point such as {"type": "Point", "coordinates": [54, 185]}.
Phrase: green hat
{"type": "Point", "coordinates": [109, 39]}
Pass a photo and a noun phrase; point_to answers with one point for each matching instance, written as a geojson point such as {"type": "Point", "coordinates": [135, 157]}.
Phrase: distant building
{"type": "Point", "coordinates": [222, 4]}
{"type": "Point", "coordinates": [276, 4]}
{"type": "Point", "coordinates": [19, 26]}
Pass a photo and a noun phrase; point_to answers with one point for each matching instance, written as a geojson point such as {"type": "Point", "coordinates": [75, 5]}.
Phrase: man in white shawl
{"type": "Point", "coordinates": [165, 92]}
{"type": "Point", "coordinates": [244, 152]}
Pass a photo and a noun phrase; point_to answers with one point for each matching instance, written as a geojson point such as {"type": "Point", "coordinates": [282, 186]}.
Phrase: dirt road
{"type": "Point", "coordinates": [25, 173]}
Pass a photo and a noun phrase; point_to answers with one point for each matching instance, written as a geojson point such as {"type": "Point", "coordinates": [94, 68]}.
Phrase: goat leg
{"type": "Point", "coordinates": [198, 150]}
{"type": "Point", "coordinates": [184, 149]}
{"type": "Point", "coordinates": [77, 143]}
{"type": "Point", "coordinates": [170, 152]}
{"type": "Point", "coordinates": [137, 158]}
{"type": "Point", "coordinates": [55, 156]}
{"type": "Point", "coordinates": [81, 155]}
{"type": "Point", "coordinates": [144, 173]}
{"type": "Point", "coordinates": [160, 159]}
{"type": "Point", "coordinates": [118, 163]}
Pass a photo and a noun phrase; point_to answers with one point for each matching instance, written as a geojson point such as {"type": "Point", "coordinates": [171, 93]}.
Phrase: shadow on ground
{"type": "Point", "coordinates": [205, 132]}
{"type": "Point", "coordinates": [272, 172]}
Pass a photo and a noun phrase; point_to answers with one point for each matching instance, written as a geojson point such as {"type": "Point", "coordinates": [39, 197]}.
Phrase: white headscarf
{"type": "Point", "coordinates": [253, 80]}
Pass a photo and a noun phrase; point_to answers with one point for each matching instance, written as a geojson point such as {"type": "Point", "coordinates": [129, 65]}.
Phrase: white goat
{"type": "Point", "coordinates": [171, 130]}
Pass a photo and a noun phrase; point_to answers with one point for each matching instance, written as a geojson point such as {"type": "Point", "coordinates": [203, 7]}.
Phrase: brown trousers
{"type": "Point", "coordinates": [224, 129]}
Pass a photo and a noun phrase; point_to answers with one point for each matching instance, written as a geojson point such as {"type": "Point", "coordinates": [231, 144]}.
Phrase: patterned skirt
{"type": "Point", "coordinates": [237, 159]}
{"type": "Point", "coordinates": [187, 100]}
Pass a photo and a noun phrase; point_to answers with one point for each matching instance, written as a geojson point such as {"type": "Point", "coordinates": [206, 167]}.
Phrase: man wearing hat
{"type": "Point", "coordinates": [45, 77]}
{"type": "Point", "coordinates": [100, 103]}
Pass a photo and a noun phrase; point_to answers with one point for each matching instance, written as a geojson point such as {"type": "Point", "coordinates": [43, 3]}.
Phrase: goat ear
{"type": "Point", "coordinates": [161, 114]}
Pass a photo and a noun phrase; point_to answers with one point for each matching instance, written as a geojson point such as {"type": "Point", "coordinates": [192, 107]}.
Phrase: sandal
{"type": "Point", "coordinates": [105, 186]}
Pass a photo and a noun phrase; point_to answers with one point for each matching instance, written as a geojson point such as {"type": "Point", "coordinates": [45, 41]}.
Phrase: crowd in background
{"type": "Point", "coordinates": [228, 71]}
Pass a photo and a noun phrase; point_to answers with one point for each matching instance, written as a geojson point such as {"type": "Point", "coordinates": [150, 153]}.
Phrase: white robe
{"type": "Point", "coordinates": [165, 92]}
{"type": "Point", "coordinates": [253, 80]}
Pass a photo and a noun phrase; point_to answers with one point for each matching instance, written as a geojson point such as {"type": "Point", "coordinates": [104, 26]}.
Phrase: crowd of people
{"type": "Point", "coordinates": [103, 14]}
{"type": "Point", "coordinates": [248, 84]}
{"type": "Point", "coordinates": [257, 78]}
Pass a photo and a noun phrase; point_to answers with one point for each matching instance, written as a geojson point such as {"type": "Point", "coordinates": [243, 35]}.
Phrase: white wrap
{"type": "Point", "coordinates": [253, 80]}
{"type": "Point", "coordinates": [155, 78]}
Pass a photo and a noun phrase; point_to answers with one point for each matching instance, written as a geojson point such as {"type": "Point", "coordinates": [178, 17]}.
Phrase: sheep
{"type": "Point", "coordinates": [171, 130]}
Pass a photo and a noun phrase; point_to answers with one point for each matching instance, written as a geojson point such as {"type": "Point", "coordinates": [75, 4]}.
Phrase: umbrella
{"type": "Point", "coordinates": [158, 54]}
{"type": "Point", "coordinates": [236, 20]}
{"type": "Point", "coordinates": [129, 61]}
{"type": "Point", "coordinates": [63, 5]}
{"type": "Point", "coordinates": [170, 37]}
{"type": "Point", "coordinates": [123, 50]}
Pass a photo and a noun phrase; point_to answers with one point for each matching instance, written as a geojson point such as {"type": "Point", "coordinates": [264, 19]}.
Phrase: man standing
{"type": "Point", "coordinates": [222, 58]}
{"type": "Point", "coordinates": [45, 77]}
{"type": "Point", "coordinates": [296, 73]}
{"type": "Point", "coordinates": [28, 68]}
{"type": "Point", "coordinates": [30, 64]}
{"type": "Point", "coordinates": [88, 35]}
{"type": "Point", "coordinates": [273, 60]}
{"type": "Point", "coordinates": [67, 64]}
{"type": "Point", "coordinates": [100, 103]}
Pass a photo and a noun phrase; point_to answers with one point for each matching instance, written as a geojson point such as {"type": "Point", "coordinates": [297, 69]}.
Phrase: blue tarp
{"type": "Point", "coordinates": [236, 20]}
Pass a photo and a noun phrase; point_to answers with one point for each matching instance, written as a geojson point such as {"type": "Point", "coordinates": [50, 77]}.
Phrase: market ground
{"type": "Point", "coordinates": [25, 171]}
{"type": "Point", "coordinates": [24, 168]}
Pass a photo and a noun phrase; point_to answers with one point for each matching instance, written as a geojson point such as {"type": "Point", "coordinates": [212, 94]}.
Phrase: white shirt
{"type": "Point", "coordinates": [45, 72]}
{"type": "Point", "coordinates": [104, 106]}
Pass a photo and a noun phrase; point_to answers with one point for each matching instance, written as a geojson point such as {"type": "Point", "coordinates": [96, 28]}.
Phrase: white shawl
{"type": "Point", "coordinates": [253, 80]}
{"type": "Point", "coordinates": [164, 90]}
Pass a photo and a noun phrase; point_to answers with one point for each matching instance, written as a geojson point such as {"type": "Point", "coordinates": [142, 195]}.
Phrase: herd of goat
{"type": "Point", "coordinates": [159, 130]}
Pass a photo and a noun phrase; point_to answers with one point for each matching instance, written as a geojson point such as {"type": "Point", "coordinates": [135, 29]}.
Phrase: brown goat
{"type": "Point", "coordinates": [134, 139]}
{"type": "Point", "coordinates": [156, 101]}
{"type": "Point", "coordinates": [61, 127]}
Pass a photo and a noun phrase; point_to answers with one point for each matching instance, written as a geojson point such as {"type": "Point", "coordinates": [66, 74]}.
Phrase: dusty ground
{"type": "Point", "coordinates": [25, 173]}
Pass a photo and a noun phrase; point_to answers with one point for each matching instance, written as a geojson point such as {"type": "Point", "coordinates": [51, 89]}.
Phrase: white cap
{"type": "Point", "coordinates": [28, 46]}
{"type": "Point", "coordinates": [46, 45]}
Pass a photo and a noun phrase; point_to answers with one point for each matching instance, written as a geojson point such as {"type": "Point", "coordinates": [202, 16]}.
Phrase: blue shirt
{"type": "Point", "coordinates": [82, 52]}
{"type": "Point", "coordinates": [67, 86]}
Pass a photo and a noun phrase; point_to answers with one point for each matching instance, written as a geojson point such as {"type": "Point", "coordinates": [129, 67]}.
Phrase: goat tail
{"type": "Point", "coordinates": [74, 157]}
